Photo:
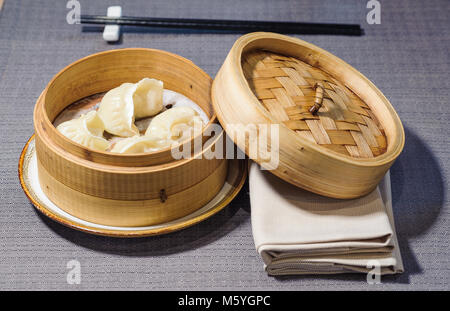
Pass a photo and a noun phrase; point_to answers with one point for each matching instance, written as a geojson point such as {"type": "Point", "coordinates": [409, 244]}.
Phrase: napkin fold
{"type": "Point", "coordinates": [299, 232]}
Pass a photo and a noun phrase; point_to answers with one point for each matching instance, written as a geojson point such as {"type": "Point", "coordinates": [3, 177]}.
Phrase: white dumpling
{"type": "Point", "coordinates": [86, 130]}
{"type": "Point", "coordinates": [148, 98]}
{"type": "Point", "coordinates": [122, 105]}
{"type": "Point", "coordinates": [175, 123]}
{"type": "Point", "coordinates": [117, 111]}
{"type": "Point", "coordinates": [139, 144]}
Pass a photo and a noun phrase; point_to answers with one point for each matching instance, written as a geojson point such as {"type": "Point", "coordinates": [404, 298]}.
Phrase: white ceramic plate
{"type": "Point", "coordinates": [28, 174]}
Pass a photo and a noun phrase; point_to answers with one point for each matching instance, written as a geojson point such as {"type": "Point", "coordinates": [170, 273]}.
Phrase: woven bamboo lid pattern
{"type": "Point", "coordinates": [339, 134]}
{"type": "Point", "coordinates": [289, 88]}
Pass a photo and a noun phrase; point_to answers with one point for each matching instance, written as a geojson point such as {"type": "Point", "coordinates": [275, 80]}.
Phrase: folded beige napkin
{"type": "Point", "coordinates": [298, 232]}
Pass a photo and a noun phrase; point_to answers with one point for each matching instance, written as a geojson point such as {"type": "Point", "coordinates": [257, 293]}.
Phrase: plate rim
{"type": "Point", "coordinates": [125, 233]}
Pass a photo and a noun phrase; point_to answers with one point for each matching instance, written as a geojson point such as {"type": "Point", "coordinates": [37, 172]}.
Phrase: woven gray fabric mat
{"type": "Point", "coordinates": [406, 56]}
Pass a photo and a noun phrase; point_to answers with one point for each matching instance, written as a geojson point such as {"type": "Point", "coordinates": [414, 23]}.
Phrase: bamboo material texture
{"type": "Point", "coordinates": [132, 212]}
{"type": "Point", "coordinates": [289, 88]}
{"type": "Point", "coordinates": [125, 189]}
{"type": "Point", "coordinates": [343, 149]}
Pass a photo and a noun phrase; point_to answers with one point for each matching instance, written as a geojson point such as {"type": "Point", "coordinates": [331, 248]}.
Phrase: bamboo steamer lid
{"type": "Point", "coordinates": [338, 134]}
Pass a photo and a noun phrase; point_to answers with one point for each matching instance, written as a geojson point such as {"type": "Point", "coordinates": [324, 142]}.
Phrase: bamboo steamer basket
{"type": "Point", "coordinates": [125, 189]}
{"type": "Point", "coordinates": [338, 134]}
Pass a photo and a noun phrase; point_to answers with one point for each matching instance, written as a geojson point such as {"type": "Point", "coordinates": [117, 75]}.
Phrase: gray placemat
{"type": "Point", "coordinates": [406, 56]}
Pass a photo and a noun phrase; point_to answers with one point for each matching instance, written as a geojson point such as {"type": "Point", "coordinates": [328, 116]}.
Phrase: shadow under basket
{"type": "Point", "coordinates": [125, 189]}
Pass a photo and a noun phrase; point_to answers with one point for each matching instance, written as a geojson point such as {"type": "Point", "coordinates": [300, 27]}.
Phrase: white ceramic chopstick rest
{"type": "Point", "coordinates": [111, 33]}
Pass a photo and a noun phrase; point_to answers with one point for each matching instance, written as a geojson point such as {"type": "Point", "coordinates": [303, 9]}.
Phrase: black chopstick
{"type": "Point", "coordinates": [227, 25]}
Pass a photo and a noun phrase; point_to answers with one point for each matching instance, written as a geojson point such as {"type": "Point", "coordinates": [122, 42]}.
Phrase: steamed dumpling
{"type": "Point", "coordinates": [117, 111]}
{"type": "Point", "coordinates": [121, 105]}
{"type": "Point", "coordinates": [174, 124]}
{"type": "Point", "coordinates": [148, 98]}
{"type": "Point", "coordinates": [86, 130]}
{"type": "Point", "coordinates": [139, 144]}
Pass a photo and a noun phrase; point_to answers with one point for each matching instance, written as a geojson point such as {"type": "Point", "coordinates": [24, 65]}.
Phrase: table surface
{"type": "Point", "coordinates": [406, 56]}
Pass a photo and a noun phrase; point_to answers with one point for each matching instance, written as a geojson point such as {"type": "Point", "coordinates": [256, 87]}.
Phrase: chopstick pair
{"type": "Point", "coordinates": [239, 26]}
